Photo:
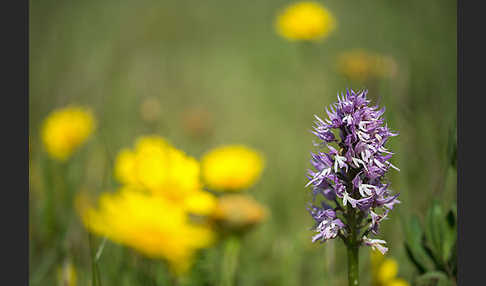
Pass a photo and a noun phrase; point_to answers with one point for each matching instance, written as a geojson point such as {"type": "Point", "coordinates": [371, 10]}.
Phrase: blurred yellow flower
{"type": "Point", "coordinates": [66, 275]}
{"type": "Point", "coordinates": [387, 271]}
{"type": "Point", "coordinates": [305, 20]}
{"type": "Point", "coordinates": [64, 130]}
{"type": "Point", "coordinates": [376, 258]}
{"type": "Point", "coordinates": [384, 271]}
{"type": "Point", "coordinates": [361, 65]}
{"type": "Point", "coordinates": [158, 167]}
{"type": "Point", "coordinates": [149, 224]}
{"type": "Point", "coordinates": [237, 212]}
{"type": "Point", "coordinates": [231, 168]}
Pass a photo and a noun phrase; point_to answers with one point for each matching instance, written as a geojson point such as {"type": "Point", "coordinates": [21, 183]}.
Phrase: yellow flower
{"type": "Point", "coordinates": [305, 21]}
{"type": "Point", "coordinates": [158, 167]}
{"type": "Point", "coordinates": [66, 275]}
{"type": "Point", "coordinates": [384, 271]}
{"type": "Point", "coordinates": [387, 271]}
{"type": "Point", "coordinates": [231, 167]}
{"type": "Point", "coordinates": [376, 259]}
{"type": "Point", "coordinates": [64, 130]}
{"type": "Point", "coordinates": [361, 65]}
{"type": "Point", "coordinates": [125, 167]}
{"type": "Point", "coordinates": [149, 224]}
{"type": "Point", "coordinates": [237, 212]}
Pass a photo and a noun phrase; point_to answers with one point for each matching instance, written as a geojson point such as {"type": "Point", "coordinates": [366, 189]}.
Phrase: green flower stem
{"type": "Point", "coordinates": [353, 265]}
{"type": "Point", "coordinates": [49, 211]}
{"type": "Point", "coordinates": [352, 245]}
{"type": "Point", "coordinates": [230, 260]}
{"type": "Point", "coordinates": [95, 272]}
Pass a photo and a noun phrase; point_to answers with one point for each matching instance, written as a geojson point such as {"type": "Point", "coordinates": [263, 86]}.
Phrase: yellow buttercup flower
{"type": "Point", "coordinates": [125, 167]}
{"type": "Point", "coordinates": [305, 21]}
{"type": "Point", "coordinates": [361, 65]}
{"type": "Point", "coordinates": [64, 130]}
{"type": "Point", "coordinates": [387, 270]}
{"type": "Point", "coordinates": [149, 224]}
{"type": "Point", "coordinates": [231, 168]}
{"type": "Point", "coordinates": [200, 202]}
{"type": "Point", "coordinates": [158, 167]}
{"type": "Point", "coordinates": [384, 271]}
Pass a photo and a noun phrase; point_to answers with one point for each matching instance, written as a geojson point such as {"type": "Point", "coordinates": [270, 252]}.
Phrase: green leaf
{"type": "Point", "coordinates": [413, 245]}
{"type": "Point", "coordinates": [442, 233]}
{"type": "Point", "coordinates": [439, 237]}
{"type": "Point", "coordinates": [452, 263]}
{"type": "Point", "coordinates": [450, 241]}
{"type": "Point", "coordinates": [433, 278]}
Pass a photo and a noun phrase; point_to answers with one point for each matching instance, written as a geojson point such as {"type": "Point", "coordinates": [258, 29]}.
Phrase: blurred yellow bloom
{"type": "Point", "coordinates": [387, 271]}
{"type": "Point", "coordinates": [305, 21]}
{"type": "Point", "coordinates": [361, 65]}
{"type": "Point", "coordinates": [64, 130]}
{"type": "Point", "coordinates": [66, 275]}
{"type": "Point", "coordinates": [376, 259]}
{"type": "Point", "coordinates": [384, 271]}
{"type": "Point", "coordinates": [237, 212]}
{"type": "Point", "coordinates": [157, 166]}
{"type": "Point", "coordinates": [231, 168]}
{"type": "Point", "coordinates": [149, 224]}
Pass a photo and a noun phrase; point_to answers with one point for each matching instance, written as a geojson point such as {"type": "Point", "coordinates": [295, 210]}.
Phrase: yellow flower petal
{"type": "Point", "coordinates": [231, 168]}
{"type": "Point", "coordinates": [149, 224]}
{"type": "Point", "coordinates": [64, 130]}
{"type": "Point", "coordinates": [387, 270]}
{"type": "Point", "coordinates": [305, 21]}
{"type": "Point", "coordinates": [160, 168]}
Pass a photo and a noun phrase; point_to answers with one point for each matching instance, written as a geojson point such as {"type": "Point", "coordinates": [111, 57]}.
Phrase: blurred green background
{"type": "Point", "coordinates": [205, 73]}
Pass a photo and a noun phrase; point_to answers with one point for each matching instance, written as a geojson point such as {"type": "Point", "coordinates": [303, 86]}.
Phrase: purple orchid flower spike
{"type": "Point", "coordinates": [350, 175]}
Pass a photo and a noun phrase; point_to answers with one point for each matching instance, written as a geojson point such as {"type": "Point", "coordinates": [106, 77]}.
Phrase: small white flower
{"type": "Point", "coordinates": [357, 162]}
{"type": "Point", "coordinates": [348, 119]}
{"type": "Point", "coordinates": [362, 125]}
{"type": "Point", "coordinates": [340, 161]}
{"type": "Point", "coordinates": [384, 150]}
{"type": "Point", "coordinates": [366, 154]}
{"type": "Point", "coordinates": [319, 119]}
{"type": "Point", "coordinates": [347, 198]}
{"type": "Point", "coordinates": [379, 164]}
{"type": "Point", "coordinates": [365, 188]}
{"type": "Point", "coordinates": [320, 175]}
{"type": "Point", "coordinates": [393, 166]}
{"type": "Point", "coordinates": [376, 244]}
{"type": "Point", "coordinates": [363, 136]}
